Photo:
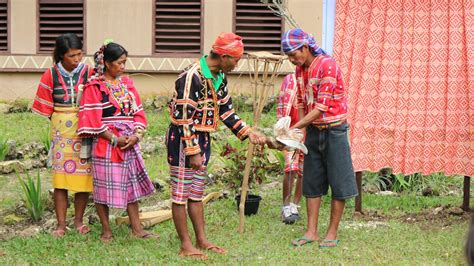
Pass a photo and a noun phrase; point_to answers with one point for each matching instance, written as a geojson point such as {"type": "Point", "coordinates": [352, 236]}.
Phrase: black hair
{"type": "Point", "coordinates": [113, 51]}
{"type": "Point", "coordinates": [214, 55]}
{"type": "Point", "coordinates": [65, 42]}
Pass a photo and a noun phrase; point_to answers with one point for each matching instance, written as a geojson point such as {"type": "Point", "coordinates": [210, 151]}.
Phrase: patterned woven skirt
{"type": "Point", "coordinates": [69, 170]}
{"type": "Point", "coordinates": [120, 176]}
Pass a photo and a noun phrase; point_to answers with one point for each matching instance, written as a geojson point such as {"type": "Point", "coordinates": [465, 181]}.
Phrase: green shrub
{"type": "Point", "coordinates": [20, 106]}
{"type": "Point", "coordinates": [234, 158]}
{"type": "Point", "coordinates": [34, 198]}
{"type": "Point", "coordinates": [433, 184]}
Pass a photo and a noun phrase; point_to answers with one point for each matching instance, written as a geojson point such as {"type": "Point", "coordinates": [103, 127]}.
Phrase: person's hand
{"type": "Point", "coordinates": [196, 161]}
{"type": "Point", "coordinates": [131, 141]}
{"type": "Point", "coordinates": [272, 143]}
{"type": "Point", "coordinates": [257, 138]}
{"type": "Point", "coordinates": [122, 141]}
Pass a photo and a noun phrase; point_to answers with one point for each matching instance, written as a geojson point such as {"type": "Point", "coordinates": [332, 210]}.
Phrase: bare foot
{"type": "Point", "coordinates": [60, 231]}
{"type": "Point", "coordinates": [106, 237]}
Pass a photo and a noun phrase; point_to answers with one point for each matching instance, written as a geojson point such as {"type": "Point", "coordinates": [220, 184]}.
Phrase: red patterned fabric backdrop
{"type": "Point", "coordinates": [408, 67]}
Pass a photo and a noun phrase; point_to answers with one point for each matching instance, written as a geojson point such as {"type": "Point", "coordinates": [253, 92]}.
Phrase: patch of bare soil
{"type": "Point", "coordinates": [16, 221]}
{"type": "Point", "coordinates": [370, 215]}
{"type": "Point", "coordinates": [438, 217]}
{"type": "Point", "coordinates": [429, 219]}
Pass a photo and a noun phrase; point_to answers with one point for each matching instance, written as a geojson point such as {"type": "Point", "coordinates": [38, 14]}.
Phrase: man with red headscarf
{"type": "Point", "coordinates": [201, 99]}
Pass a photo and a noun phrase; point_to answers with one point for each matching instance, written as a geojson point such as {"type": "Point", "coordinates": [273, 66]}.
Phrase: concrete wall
{"type": "Point", "coordinates": [24, 85]}
{"type": "Point", "coordinates": [131, 24]}
{"type": "Point", "coordinates": [309, 16]}
{"type": "Point", "coordinates": [23, 27]}
{"type": "Point", "coordinates": [215, 24]}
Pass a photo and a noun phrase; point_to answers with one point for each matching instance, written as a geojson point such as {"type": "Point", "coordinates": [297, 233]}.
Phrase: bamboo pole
{"type": "Point", "coordinates": [245, 185]}
{"type": "Point", "coordinates": [265, 82]}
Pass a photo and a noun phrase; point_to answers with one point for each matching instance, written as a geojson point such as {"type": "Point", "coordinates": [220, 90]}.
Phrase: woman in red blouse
{"type": "Point", "coordinates": [111, 111]}
{"type": "Point", "coordinates": [57, 98]}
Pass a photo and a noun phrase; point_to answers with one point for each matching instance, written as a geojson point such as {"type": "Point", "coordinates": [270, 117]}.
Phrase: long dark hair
{"type": "Point", "coordinates": [64, 43]}
{"type": "Point", "coordinates": [107, 53]}
{"type": "Point", "coordinates": [112, 52]}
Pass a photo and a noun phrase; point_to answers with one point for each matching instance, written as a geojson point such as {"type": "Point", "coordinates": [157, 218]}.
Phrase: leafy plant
{"type": "Point", "coordinates": [34, 198]}
{"type": "Point", "coordinates": [46, 137]}
{"type": "Point", "coordinates": [234, 160]}
{"type": "Point", "coordinates": [4, 148]}
{"type": "Point", "coordinates": [374, 182]}
{"type": "Point", "coordinates": [411, 182]}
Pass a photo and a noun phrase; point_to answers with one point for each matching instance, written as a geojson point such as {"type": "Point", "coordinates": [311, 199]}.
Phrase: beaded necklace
{"type": "Point", "coordinates": [70, 76]}
{"type": "Point", "coordinates": [120, 93]}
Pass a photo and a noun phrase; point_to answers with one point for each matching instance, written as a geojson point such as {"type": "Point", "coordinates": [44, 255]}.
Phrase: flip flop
{"type": "Point", "coordinates": [306, 240]}
{"type": "Point", "coordinates": [58, 233]}
{"type": "Point", "coordinates": [215, 249]}
{"type": "Point", "coordinates": [197, 256]}
{"type": "Point", "coordinates": [83, 229]}
{"type": "Point", "coordinates": [335, 241]}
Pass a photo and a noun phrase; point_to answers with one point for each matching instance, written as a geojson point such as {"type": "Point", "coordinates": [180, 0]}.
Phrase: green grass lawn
{"type": "Point", "coordinates": [266, 240]}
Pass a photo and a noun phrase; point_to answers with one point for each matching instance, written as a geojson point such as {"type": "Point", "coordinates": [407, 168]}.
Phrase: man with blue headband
{"type": "Point", "coordinates": [322, 102]}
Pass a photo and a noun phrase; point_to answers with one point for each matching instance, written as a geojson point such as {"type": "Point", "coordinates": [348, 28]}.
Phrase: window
{"type": "Point", "coordinates": [260, 28]}
{"type": "Point", "coordinates": [178, 26]}
{"type": "Point", "coordinates": [57, 17]}
{"type": "Point", "coordinates": [329, 19]}
{"type": "Point", "coordinates": [3, 26]}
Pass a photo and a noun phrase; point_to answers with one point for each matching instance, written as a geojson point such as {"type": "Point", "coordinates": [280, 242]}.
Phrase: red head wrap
{"type": "Point", "coordinates": [228, 43]}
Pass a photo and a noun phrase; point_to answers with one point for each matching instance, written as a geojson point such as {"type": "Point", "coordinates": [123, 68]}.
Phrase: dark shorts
{"type": "Point", "coordinates": [328, 163]}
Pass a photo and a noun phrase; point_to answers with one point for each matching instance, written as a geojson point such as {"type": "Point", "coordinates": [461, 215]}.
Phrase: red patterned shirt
{"type": "Point", "coordinates": [287, 102]}
{"type": "Point", "coordinates": [99, 107]}
{"type": "Point", "coordinates": [320, 86]}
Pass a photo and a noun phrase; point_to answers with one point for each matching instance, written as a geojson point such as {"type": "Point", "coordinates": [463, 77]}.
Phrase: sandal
{"type": "Point", "coordinates": [306, 240]}
{"type": "Point", "coordinates": [335, 241]}
{"type": "Point", "coordinates": [197, 256]}
{"type": "Point", "coordinates": [83, 229]}
{"type": "Point", "coordinates": [215, 249]}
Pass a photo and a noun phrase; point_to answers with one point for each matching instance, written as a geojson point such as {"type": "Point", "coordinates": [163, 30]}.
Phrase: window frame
{"type": "Point", "coordinates": [84, 25]}
{"type": "Point", "coordinates": [234, 27]}
{"type": "Point", "coordinates": [177, 54]}
{"type": "Point", "coordinates": [8, 51]}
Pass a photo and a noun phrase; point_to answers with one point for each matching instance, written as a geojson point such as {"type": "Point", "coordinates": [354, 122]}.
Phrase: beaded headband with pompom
{"type": "Point", "coordinates": [99, 60]}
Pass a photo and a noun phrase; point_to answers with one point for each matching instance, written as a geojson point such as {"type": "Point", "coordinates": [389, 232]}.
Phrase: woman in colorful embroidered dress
{"type": "Point", "coordinates": [57, 98]}
{"type": "Point", "coordinates": [111, 111]}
